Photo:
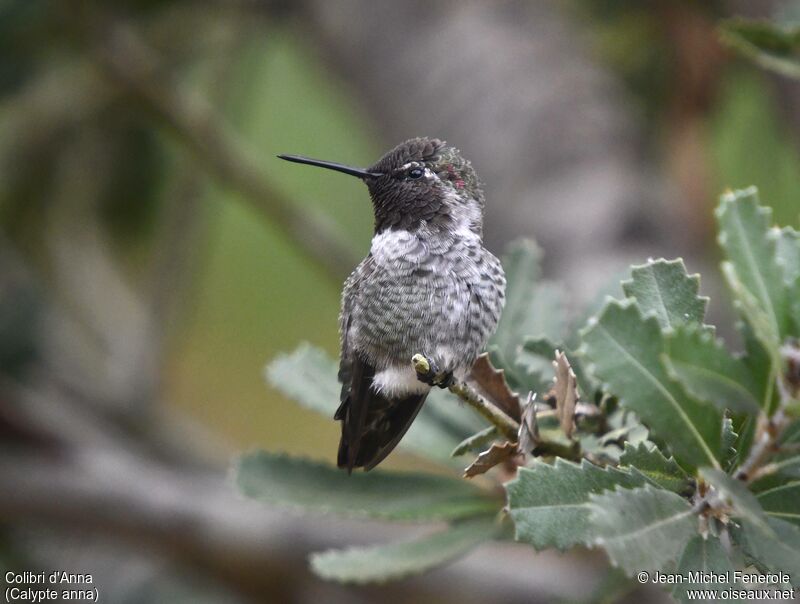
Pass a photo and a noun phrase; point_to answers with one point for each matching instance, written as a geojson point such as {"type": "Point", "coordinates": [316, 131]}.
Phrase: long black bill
{"type": "Point", "coordinates": [331, 166]}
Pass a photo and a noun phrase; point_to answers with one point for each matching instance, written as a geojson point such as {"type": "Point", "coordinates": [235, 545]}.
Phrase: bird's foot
{"type": "Point", "coordinates": [428, 372]}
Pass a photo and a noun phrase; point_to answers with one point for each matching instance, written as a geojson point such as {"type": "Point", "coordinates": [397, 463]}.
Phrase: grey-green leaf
{"type": "Point", "coordinates": [772, 541]}
{"type": "Point", "coordinates": [703, 555]}
{"type": "Point", "coordinates": [767, 44]}
{"type": "Point", "coordinates": [643, 529]}
{"type": "Point", "coordinates": [625, 351]}
{"type": "Point", "coordinates": [707, 371]}
{"type": "Point", "coordinates": [308, 376]}
{"type": "Point", "coordinates": [782, 501]}
{"type": "Point", "coordinates": [549, 503]}
{"type": "Point", "coordinates": [744, 228]}
{"type": "Point", "coordinates": [532, 308]}
{"type": "Point", "coordinates": [664, 289]}
{"type": "Point", "coordinates": [304, 484]}
{"type": "Point", "coordinates": [658, 469]}
{"type": "Point", "coordinates": [380, 563]}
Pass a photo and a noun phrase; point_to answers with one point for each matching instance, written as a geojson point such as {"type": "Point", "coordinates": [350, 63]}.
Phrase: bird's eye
{"type": "Point", "coordinates": [415, 173]}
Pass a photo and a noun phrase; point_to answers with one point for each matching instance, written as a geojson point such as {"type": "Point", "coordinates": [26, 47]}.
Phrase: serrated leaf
{"type": "Point", "coordinates": [758, 319]}
{"type": "Point", "coordinates": [728, 444]}
{"type": "Point", "coordinates": [308, 376]}
{"type": "Point", "coordinates": [769, 45]}
{"type": "Point", "coordinates": [550, 503]}
{"type": "Point", "coordinates": [304, 484]}
{"type": "Point", "coordinates": [782, 501]}
{"type": "Point", "coordinates": [626, 350]}
{"type": "Point", "coordinates": [664, 289]}
{"type": "Point", "coordinates": [642, 529]}
{"type": "Point", "coordinates": [773, 542]}
{"type": "Point", "coordinates": [752, 270]}
{"type": "Point", "coordinates": [787, 242]}
{"type": "Point", "coordinates": [709, 372]}
{"type": "Point", "coordinates": [703, 555]}
{"type": "Point", "coordinates": [377, 564]}
{"type": "Point", "coordinates": [658, 469]}
{"type": "Point", "coordinates": [787, 252]}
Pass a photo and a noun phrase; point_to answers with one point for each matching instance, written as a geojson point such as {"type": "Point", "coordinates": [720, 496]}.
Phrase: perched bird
{"type": "Point", "coordinates": [427, 286]}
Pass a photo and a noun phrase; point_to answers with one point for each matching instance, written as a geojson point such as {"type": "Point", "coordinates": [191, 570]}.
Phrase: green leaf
{"type": "Point", "coordinates": [304, 484]}
{"type": "Point", "coordinates": [625, 351]}
{"type": "Point", "coordinates": [664, 289]}
{"type": "Point", "coordinates": [308, 376]}
{"type": "Point", "coordinates": [769, 45]}
{"type": "Point", "coordinates": [550, 503]}
{"type": "Point", "coordinates": [787, 249]}
{"type": "Point", "coordinates": [659, 470]}
{"type": "Point", "coordinates": [773, 542]}
{"type": "Point", "coordinates": [708, 372]}
{"type": "Point", "coordinates": [532, 309]}
{"type": "Point", "coordinates": [477, 442]}
{"type": "Point", "coordinates": [643, 529]}
{"type": "Point", "coordinates": [703, 555]}
{"type": "Point", "coordinates": [788, 466]}
{"type": "Point", "coordinates": [753, 273]}
{"type": "Point", "coordinates": [787, 241]}
{"type": "Point", "coordinates": [782, 501]}
{"type": "Point", "coordinates": [377, 564]}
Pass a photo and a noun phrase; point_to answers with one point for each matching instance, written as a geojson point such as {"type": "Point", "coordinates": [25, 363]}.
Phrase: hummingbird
{"type": "Point", "coordinates": [427, 286]}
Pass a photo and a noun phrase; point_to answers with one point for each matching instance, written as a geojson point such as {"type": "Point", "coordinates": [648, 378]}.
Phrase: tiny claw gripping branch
{"type": "Point", "coordinates": [426, 372]}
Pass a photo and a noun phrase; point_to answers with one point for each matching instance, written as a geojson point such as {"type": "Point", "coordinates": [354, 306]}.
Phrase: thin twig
{"type": "Point", "coordinates": [504, 424]}
{"type": "Point", "coordinates": [768, 433]}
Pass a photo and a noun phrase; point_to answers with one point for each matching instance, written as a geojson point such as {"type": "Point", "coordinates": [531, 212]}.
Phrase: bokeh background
{"type": "Point", "coordinates": [154, 253]}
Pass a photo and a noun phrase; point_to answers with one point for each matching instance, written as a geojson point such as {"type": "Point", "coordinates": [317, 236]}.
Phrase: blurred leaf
{"type": "Point", "coordinates": [535, 362]}
{"type": "Point", "coordinates": [709, 372]}
{"type": "Point", "coordinates": [663, 288]}
{"type": "Point", "coordinates": [773, 542]}
{"type": "Point", "coordinates": [728, 443]}
{"type": "Point", "coordinates": [782, 501]}
{"type": "Point", "coordinates": [787, 252]}
{"type": "Point", "coordinates": [377, 564]}
{"type": "Point", "coordinates": [659, 470]}
{"type": "Point", "coordinates": [787, 243]}
{"type": "Point", "coordinates": [532, 308]}
{"type": "Point", "coordinates": [496, 454]}
{"type": "Point", "coordinates": [702, 555]}
{"type": "Point", "coordinates": [304, 484]}
{"type": "Point", "coordinates": [753, 273]}
{"type": "Point", "coordinates": [642, 529]}
{"type": "Point", "coordinates": [550, 503]}
{"type": "Point", "coordinates": [626, 350]}
{"type": "Point", "coordinates": [308, 376]}
{"type": "Point", "coordinates": [767, 44]}
{"type": "Point", "coordinates": [476, 442]}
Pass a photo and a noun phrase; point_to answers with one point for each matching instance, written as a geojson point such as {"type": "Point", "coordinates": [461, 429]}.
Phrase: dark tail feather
{"type": "Point", "coordinates": [372, 424]}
